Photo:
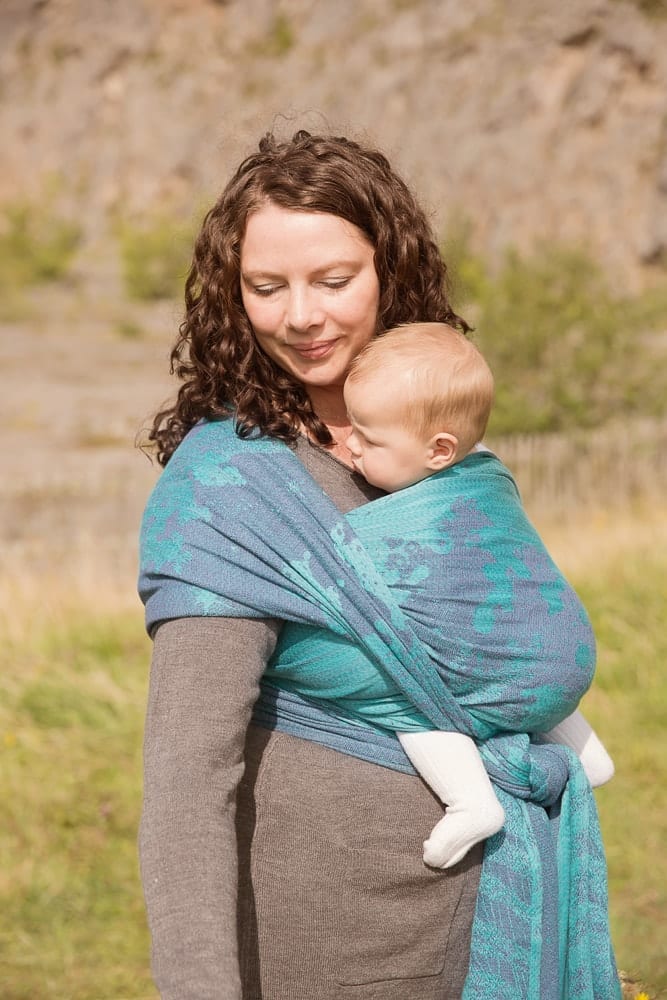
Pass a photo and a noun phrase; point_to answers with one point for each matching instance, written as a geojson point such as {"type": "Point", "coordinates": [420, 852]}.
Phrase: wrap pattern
{"type": "Point", "coordinates": [505, 630]}
{"type": "Point", "coordinates": [238, 528]}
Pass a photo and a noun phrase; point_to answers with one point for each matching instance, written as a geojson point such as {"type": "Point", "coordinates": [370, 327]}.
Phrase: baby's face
{"type": "Point", "coordinates": [386, 452]}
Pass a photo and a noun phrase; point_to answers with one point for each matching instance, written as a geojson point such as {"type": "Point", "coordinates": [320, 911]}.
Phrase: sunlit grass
{"type": "Point", "coordinates": [72, 923]}
{"type": "Point", "coordinates": [73, 675]}
{"type": "Point", "coordinates": [618, 563]}
{"type": "Point", "coordinates": [629, 706]}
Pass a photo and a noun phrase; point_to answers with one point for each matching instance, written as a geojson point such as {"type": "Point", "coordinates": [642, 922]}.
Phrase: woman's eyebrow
{"type": "Point", "coordinates": [268, 272]}
{"type": "Point", "coordinates": [346, 264]}
{"type": "Point", "coordinates": [253, 275]}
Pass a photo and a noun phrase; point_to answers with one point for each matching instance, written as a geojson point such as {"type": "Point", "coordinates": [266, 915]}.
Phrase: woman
{"type": "Point", "coordinates": [279, 860]}
{"type": "Point", "coordinates": [314, 245]}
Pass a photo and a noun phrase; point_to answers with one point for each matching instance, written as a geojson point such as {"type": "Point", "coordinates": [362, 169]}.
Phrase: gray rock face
{"type": "Point", "coordinates": [531, 120]}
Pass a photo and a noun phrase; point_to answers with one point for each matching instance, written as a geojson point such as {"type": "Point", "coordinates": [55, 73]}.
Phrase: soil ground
{"type": "Point", "coordinates": [80, 380]}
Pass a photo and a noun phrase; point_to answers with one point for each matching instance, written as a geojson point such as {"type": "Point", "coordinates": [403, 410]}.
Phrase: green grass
{"type": "Point", "coordinates": [629, 706]}
{"type": "Point", "coordinates": [72, 923]}
{"type": "Point", "coordinates": [72, 695]}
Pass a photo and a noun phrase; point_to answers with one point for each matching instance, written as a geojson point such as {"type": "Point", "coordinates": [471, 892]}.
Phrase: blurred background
{"type": "Point", "coordinates": [535, 134]}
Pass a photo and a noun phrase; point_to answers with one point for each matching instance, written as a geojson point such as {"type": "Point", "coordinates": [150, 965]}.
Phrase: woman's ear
{"type": "Point", "coordinates": [442, 451]}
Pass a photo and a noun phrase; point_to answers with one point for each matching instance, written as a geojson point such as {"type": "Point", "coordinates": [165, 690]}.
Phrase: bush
{"type": "Point", "coordinates": [277, 42]}
{"type": "Point", "coordinates": [155, 257]}
{"type": "Point", "coordinates": [565, 350]}
{"type": "Point", "coordinates": [36, 245]}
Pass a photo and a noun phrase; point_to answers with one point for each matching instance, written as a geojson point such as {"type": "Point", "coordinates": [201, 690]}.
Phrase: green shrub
{"type": "Point", "coordinates": [36, 244]}
{"type": "Point", "coordinates": [565, 350]}
{"type": "Point", "coordinates": [281, 39]}
{"type": "Point", "coordinates": [129, 329]}
{"type": "Point", "coordinates": [155, 257]}
{"type": "Point", "coordinates": [278, 40]}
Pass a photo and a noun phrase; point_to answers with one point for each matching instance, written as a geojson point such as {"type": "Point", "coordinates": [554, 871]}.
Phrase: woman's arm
{"type": "Point", "coordinates": [204, 682]}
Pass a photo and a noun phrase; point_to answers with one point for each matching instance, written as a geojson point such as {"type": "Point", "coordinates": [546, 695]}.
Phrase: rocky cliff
{"type": "Point", "coordinates": [531, 120]}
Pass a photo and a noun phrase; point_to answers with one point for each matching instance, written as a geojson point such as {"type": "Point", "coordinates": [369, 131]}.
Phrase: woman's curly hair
{"type": "Point", "coordinates": [216, 356]}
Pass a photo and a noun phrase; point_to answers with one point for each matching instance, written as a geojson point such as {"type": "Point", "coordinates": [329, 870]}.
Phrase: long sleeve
{"type": "Point", "coordinates": [204, 681]}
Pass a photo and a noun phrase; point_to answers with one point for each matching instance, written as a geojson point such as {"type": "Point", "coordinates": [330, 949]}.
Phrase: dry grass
{"type": "Point", "coordinates": [597, 540]}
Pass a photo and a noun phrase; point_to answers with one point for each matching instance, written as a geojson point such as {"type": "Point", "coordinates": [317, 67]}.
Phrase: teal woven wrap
{"type": "Point", "coordinates": [502, 626]}
{"type": "Point", "coordinates": [237, 527]}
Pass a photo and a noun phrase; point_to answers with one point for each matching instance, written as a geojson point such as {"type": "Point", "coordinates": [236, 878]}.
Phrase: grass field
{"type": "Point", "coordinates": [628, 705]}
{"type": "Point", "coordinates": [72, 923]}
{"type": "Point", "coordinates": [72, 693]}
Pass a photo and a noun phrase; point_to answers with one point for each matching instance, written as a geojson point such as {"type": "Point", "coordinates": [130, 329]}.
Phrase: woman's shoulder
{"type": "Point", "coordinates": [219, 440]}
{"type": "Point", "coordinates": [213, 454]}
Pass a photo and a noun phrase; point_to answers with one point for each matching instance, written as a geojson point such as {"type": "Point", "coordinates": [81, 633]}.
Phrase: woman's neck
{"type": "Point", "coordinates": [329, 405]}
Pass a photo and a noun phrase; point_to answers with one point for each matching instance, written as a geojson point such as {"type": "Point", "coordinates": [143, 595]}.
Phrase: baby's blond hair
{"type": "Point", "coordinates": [435, 379]}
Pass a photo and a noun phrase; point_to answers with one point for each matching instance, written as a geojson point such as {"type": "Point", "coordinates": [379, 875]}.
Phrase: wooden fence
{"type": "Point", "coordinates": [610, 467]}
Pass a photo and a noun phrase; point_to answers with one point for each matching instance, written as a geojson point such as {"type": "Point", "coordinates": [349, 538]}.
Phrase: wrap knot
{"type": "Point", "coordinates": [534, 772]}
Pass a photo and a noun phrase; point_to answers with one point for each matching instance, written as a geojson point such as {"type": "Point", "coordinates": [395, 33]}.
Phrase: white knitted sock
{"type": "Point", "coordinates": [450, 763]}
{"type": "Point", "coordinates": [576, 733]}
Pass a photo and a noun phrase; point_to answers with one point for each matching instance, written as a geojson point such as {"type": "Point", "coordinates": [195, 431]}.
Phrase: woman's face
{"type": "Point", "coordinates": [310, 291]}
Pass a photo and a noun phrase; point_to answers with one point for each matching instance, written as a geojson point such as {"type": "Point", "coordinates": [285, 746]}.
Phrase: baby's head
{"type": "Point", "coordinates": [418, 398]}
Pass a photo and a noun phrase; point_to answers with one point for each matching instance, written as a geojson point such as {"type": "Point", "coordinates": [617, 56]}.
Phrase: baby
{"type": "Point", "coordinates": [418, 399]}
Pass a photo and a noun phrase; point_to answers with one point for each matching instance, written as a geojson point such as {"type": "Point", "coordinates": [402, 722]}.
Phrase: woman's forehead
{"type": "Point", "coordinates": [273, 233]}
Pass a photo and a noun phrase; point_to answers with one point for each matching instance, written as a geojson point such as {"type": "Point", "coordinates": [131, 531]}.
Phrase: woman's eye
{"type": "Point", "coordinates": [265, 289]}
{"type": "Point", "coordinates": [334, 283]}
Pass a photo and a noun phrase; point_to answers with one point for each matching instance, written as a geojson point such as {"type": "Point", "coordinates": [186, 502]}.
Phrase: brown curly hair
{"type": "Point", "coordinates": [216, 356]}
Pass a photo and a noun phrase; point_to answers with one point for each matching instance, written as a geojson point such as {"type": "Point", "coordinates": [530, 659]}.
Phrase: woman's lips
{"type": "Point", "coordinates": [314, 352]}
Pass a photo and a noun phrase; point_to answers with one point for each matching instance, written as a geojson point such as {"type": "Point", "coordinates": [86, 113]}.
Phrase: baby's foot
{"type": "Point", "coordinates": [458, 831]}
{"type": "Point", "coordinates": [597, 763]}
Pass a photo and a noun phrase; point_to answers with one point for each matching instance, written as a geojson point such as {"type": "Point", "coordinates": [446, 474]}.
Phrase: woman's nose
{"type": "Point", "coordinates": [303, 310]}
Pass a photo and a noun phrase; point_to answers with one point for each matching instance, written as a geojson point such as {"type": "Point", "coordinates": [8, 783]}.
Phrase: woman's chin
{"type": "Point", "coordinates": [321, 376]}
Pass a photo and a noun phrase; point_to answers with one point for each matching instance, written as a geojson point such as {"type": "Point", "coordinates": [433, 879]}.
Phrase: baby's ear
{"type": "Point", "coordinates": [442, 451]}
